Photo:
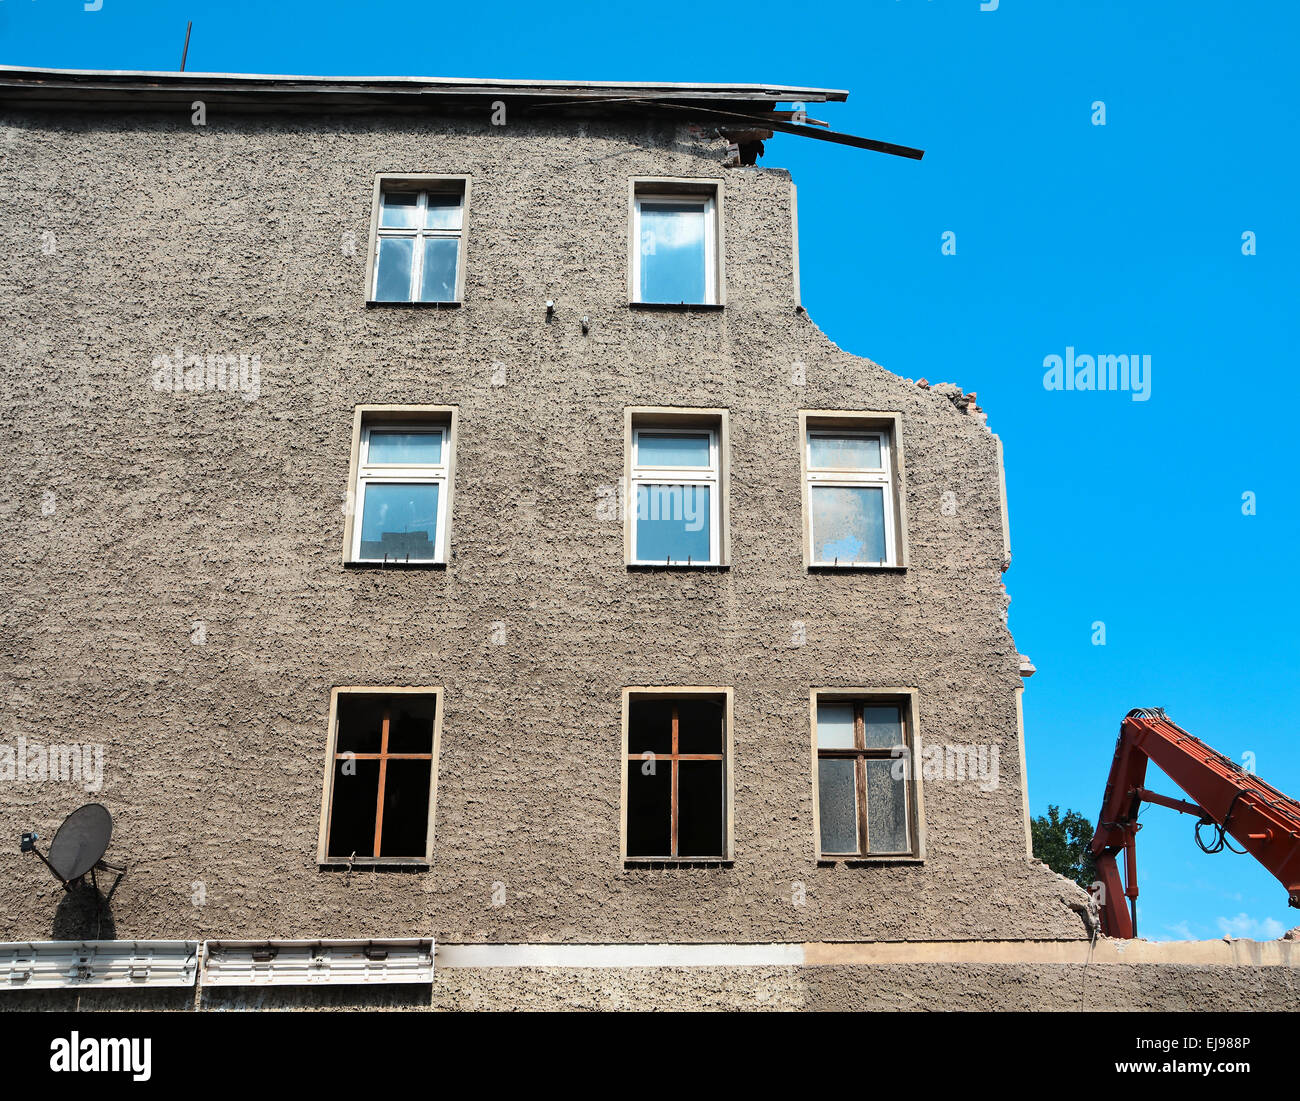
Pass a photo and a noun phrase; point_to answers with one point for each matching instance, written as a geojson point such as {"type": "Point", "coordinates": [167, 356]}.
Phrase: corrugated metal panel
{"type": "Point", "coordinates": [95, 964]}
{"type": "Point", "coordinates": [316, 962]}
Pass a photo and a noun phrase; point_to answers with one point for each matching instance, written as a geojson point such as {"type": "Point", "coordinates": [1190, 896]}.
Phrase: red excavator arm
{"type": "Point", "coordinates": [1227, 797]}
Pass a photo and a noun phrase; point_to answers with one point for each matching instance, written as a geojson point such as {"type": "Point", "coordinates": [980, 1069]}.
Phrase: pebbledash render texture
{"type": "Point", "coordinates": [185, 586]}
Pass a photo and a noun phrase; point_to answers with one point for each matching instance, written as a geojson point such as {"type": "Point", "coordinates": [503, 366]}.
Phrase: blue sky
{"type": "Point", "coordinates": [1122, 238]}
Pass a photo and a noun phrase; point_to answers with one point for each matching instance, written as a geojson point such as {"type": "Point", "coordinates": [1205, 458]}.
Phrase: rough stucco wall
{"type": "Point", "coordinates": [173, 508]}
{"type": "Point", "coordinates": [1039, 987]}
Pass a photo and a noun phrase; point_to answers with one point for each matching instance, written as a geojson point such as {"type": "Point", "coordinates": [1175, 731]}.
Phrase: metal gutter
{"type": "Point", "coordinates": [97, 964]}
{"type": "Point", "coordinates": [329, 962]}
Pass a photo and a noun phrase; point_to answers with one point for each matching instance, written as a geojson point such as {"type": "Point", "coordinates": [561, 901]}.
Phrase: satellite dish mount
{"type": "Point", "coordinates": [78, 849]}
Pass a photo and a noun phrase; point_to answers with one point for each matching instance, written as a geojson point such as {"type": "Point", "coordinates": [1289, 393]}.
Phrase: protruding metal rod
{"type": "Point", "coordinates": [186, 52]}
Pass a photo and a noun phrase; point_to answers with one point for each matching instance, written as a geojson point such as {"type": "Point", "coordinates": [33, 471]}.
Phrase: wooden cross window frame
{"type": "Point", "coordinates": [860, 754]}
{"type": "Point", "coordinates": [675, 757]}
{"type": "Point", "coordinates": [383, 757]}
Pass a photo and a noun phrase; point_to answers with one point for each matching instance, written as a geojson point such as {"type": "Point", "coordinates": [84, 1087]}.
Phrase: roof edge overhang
{"type": "Point", "coordinates": [103, 88]}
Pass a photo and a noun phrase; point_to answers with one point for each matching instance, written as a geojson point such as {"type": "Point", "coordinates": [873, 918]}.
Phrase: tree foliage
{"type": "Point", "coordinates": [1061, 842]}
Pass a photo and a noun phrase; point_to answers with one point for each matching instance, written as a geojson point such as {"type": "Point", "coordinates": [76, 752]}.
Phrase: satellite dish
{"type": "Point", "coordinates": [78, 847]}
{"type": "Point", "coordinates": [81, 842]}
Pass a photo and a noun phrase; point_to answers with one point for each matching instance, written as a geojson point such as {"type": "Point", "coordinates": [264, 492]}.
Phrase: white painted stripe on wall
{"type": "Point", "coordinates": [619, 955]}
{"type": "Point", "coordinates": [1239, 953]}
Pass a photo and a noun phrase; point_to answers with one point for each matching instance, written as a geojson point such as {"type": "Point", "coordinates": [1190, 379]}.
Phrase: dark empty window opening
{"type": "Point", "coordinates": [676, 778]}
{"type": "Point", "coordinates": [383, 772]}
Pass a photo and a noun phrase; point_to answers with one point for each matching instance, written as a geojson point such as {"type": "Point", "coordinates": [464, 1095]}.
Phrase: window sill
{"type": "Point", "coordinates": [395, 565]}
{"type": "Point", "coordinates": [866, 861]}
{"type": "Point", "coordinates": [376, 864]}
{"type": "Point", "coordinates": [857, 568]}
{"type": "Point", "coordinates": [707, 307]}
{"type": "Point", "coordinates": [374, 304]}
{"type": "Point", "coordinates": [632, 863]}
{"type": "Point", "coordinates": [672, 567]}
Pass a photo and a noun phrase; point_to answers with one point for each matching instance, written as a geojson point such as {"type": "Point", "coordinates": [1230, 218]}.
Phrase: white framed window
{"type": "Point", "coordinates": [675, 246]}
{"type": "Point", "coordinates": [401, 493]}
{"type": "Point", "coordinates": [675, 489]}
{"type": "Point", "coordinates": [850, 497]}
{"type": "Point", "coordinates": [418, 246]}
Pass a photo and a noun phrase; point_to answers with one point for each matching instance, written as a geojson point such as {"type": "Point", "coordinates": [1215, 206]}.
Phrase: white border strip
{"type": "Point", "coordinates": [620, 955]}
{"type": "Point", "coordinates": [36, 965]}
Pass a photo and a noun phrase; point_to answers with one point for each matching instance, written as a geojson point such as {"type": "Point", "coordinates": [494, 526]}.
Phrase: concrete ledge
{"type": "Point", "coordinates": [1199, 953]}
{"type": "Point", "coordinates": [1209, 953]}
{"type": "Point", "coordinates": [1060, 974]}
{"type": "Point", "coordinates": [716, 977]}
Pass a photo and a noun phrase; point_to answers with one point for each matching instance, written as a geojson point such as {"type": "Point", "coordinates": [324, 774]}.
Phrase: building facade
{"type": "Point", "coordinates": [433, 515]}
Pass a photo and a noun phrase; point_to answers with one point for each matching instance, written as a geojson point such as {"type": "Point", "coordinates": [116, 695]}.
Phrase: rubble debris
{"type": "Point", "coordinates": [744, 147]}
{"type": "Point", "coordinates": [961, 401]}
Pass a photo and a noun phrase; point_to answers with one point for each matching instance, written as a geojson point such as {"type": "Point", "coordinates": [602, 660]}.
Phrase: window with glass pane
{"type": "Point", "coordinates": [676, 777]}
{"type": "Point", "coordinates": [418, 245]}
{"type": "Point", "coordinates": [675, 485]}
{"type": "Point", "coordinates": [675, 255]}
{"type": "Point", "coordinates": [401, 494]}
{"type": "Point", "coordinates": [382, 776]}
{"type": "Point", "coordinates": [399, 522]}
{"type": "Point", "coordinates": [850, 498]}
{"type": "Point", "coordinates": [864, 778]}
